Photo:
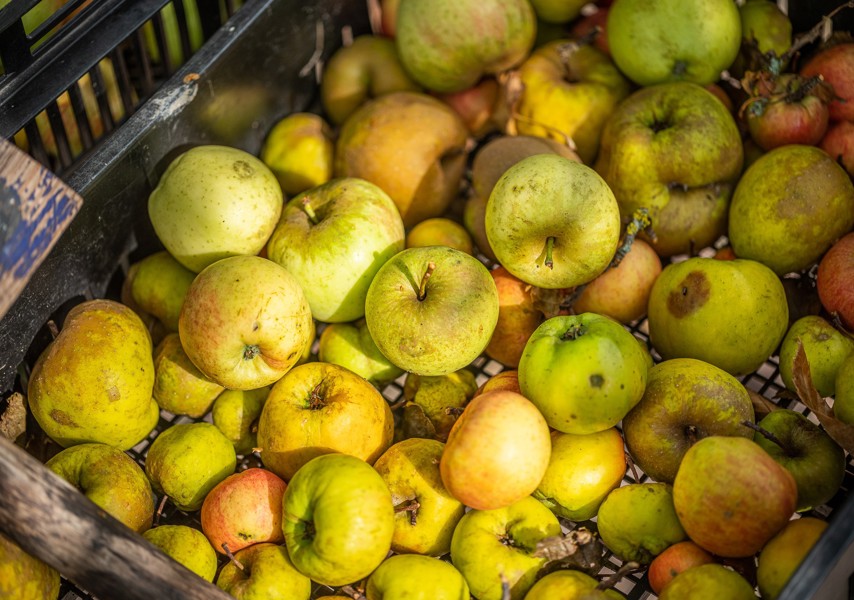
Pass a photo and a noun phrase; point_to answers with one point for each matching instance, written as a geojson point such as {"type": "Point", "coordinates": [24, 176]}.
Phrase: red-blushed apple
{"type": "Point", "coordinates": [584, 372]}
{"type": "Point", "coordinates": [490, 547]}
{"type": "Point", "coordinates": [731, 496]}
{"type": "Point", "coordinates": [388, 19]}
{"type": "Point", "coordinates": [622, 291]}
{"type": "Point", "coordinates": [425, 513]}
{"type": "Point", "coordinates": [675, 559]}
{"type": "Point", "coordinates": [838, 142]}
{"type": "Point", "coordinates": [244, 509]}
{"type": "Point", "coordinates": [585, 25]}
{"type": "Point", "coordinates": [366, 69]}
{"type": "Point", "coordinates": [245, 322]}
{"type": "Point", "coordinates": [708, 582]}
{"type": "Point", "coordinates": [791, 110]}
{"type": "Point", "coordinates": [478, 106]}
{"type": "Point", "coordinates": [505, 380]}
{"type": "Point", "coordinates": [638, 521]}
{"type": "Point", "coordinates": [835, 280]}
{"type": "Point", "coordinates": [582, 470]}
{"type": "Point", "coordinates": [836, 65]}
{"type": "Point", "coordinates": [780, 557]}
{"type": "Point", "coordinates": [719, 93]}
{"type": "Point", "coordinates": [497, 451]}
{"type": "Point", "coordinates": [518, 318]}
{"type": "Point", "coordinates": [338, 519]}
{"type": "Point", "coordinates": [479, 38]}
{"type": "Point", "coordinates": [319, 408]}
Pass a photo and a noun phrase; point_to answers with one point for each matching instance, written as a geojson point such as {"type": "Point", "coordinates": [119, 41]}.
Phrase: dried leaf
{"type": "Point", "coordinates": [841, 433]}
{"type": "Point", "coordinates": [416, 424]}
{"type": "Point", "coordinates": [761, 405]}
{"type": "Point", "coordinates": [550, 302]}
{"type": "Point", "coordinates": [13, 421]}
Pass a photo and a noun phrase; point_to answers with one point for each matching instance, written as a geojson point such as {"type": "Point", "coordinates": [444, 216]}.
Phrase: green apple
{"type": "Point", "coordinates": [843, 405]}
{"type": "Point", "coordinates": [333, 239]}
{"type": "Point", "coordinates": [781, 556]}
{"type": "Point", "coordinates": [417, 578]}
{"type": "Point", "coordinates": [431, 311]}
{"type": "Point", "coordinates": [557, 11]}
{"type": "Point", "coordinates": [245, 322]}
{"type": "Point", "coordinates": [569, 584]}
{"type": "Point", "coordinates": [421, 136]}
{"type": "Point", "coordinates": [584, 372]}
{"type": "Point", "coordinates": [813, 458]}
{"type": "Point", "coordinates": [351, 346]}
{"type": "Point", "coordinates": [552, 222]}
{"type": "Point", "coordinates": [425, 512]}
{"type": "Point", "coordinates": [490, 162]}
{"type": "Point", "coordinates": [731, 496]}
{"type": "Point", "coordinates": [366, 69]}
{"type": "Point", "coordinates": [679, 557]}
{"type": "Point", "coordinates": [492, 546]}
{"type": "Point", "coordinates": [338, 519]}
{"type": "Point", "coordinates": [570, 90]}
{"type": "Point", "coordinates": [267, 572]}
{"type": "Point", "coordinates": [158, 284]}
{"type": "Point", "coordinates": [318, 408]}
{"type": "Point", "coordinates": [235, 413]}
{"type": "Point", "coordinates": [582, 471]}
{"type": "Point", "coordinates": [179, 386]}
{"type": "Point", "coordinates": [708, 582]}
{"type": "Point", "coordinates": [213, 202]}
{"type": "Point", "coordinates": [684, 401]}
{"type": "Point", "coordinates": [497, 451]}
{"type": "Point", "coordinates": [186, 545]}
{"type": "Point", "coordinates": [93, 382]}
{"type": "Point", "coordinates": [798, 192]}
{"type": "Point", "coordinates": [244, 509]}
{"type": "Point", "coordinates": [478, 37]}
{"type": "Point", "coordinates": [703, 39]}
{"type": "Point", "coordinates": [638, 521]}
{"type": "Point", "coordinates": [109, 478]}
{"type": "Point", "coordinates": [299, 150]}
{"type": "Point", "coordinates": [435, 395]}
{"type": "Point", "coordinates": [675, 150]}
{"type": "Point", "coordinates": [730, 313]}
{"type": "Point", "coordinates": [23, 576]}
{"type": "Point", "coordinates": [440, 231]}
{"type": "Point", "coordinates": [187, 460]}
{"type": "Point", "coordinates": [826, 349]}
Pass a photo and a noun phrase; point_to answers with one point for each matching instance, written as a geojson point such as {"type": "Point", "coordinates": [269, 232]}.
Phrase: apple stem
{"type": "Point", "coordinates": [411, 506]}
{"type": "Point", "coordinates": [231, 557]}
{"type": "Point", "coordinates": [691, 434]}
{"type": "Point", "coordinates": [505, 587]}
{"type": "Point", "coordinates": [641, 221]}
{"type": "Point", "coordinates": [631, 462]}
{"type": "Point", "coordinates": [550, 242]}
{"type": "Point", "coordinates": [251, 351]}
{"type": "Point", "coordinates": [306, 206]}
{"type": "Point", "coordinates": [574, 332]}
{"type": "Point", "coordinates": [160, 510]}
{"type": "Point", "coordinates": [354, 593]}
{"type": "Point", "coordinates": [422, 289]}
{"type": "Point", "coordinates": [767, 435]}
{"type": "Point", "coordinates": [611, 581]}
{"type": "Point", "coordinates": [52, 328]}
{"type": "Point", "coordinates": [454, 411]}
{"type": "Point", "coordinates": [315, 398]}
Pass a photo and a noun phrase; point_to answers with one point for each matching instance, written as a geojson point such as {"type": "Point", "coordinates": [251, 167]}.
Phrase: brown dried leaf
{"type": "Point", "coordinates": [550, 302]}
{"type": "Point", "coordinates": [842, 433]}
{"type": "Point", "coordinates": [416, 424]}
{"type": "Point", "coordinates": [761, 405]}
{"type": "Point", "coordinates": [13, 421]}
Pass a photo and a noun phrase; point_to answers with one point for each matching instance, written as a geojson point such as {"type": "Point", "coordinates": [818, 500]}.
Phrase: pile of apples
{"type": "Point", "coordinates": [521, 180]}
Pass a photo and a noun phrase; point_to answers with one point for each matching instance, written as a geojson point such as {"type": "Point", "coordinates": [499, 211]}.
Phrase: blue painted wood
{"type": "Point", "coordinates": [36, 206]}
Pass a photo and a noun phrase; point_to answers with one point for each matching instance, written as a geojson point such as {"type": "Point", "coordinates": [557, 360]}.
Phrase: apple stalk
{"type": "Point", "coordinates": [770, 437]}
{"type": "Point", "coordinates": [422, 288]}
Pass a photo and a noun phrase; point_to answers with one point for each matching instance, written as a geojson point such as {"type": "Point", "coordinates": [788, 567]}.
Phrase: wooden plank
{"type": "Point", "coordinates": [36, 206]}
{"type": "Point", "coordinates": [54, 522]}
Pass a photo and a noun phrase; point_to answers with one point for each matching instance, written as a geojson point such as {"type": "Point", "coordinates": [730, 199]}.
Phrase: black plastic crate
{"type": "Point", "coordinates": [255, 69]}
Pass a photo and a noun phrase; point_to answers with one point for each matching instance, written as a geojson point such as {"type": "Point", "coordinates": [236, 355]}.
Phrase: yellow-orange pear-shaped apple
{"type": "Point", "coordinates": [497, 451]}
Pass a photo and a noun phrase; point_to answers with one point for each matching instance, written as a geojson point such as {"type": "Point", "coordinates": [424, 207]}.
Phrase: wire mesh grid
{"type": "Point", "coordinates": [766, 381]}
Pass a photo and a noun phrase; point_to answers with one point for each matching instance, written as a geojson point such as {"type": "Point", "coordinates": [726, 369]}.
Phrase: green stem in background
{"type": "Point", "coordinates": [550, 243]}
{"type": "Point", "coordinates": [422, 289]}
{"type": "Point", "coordinates": [306, 206]}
